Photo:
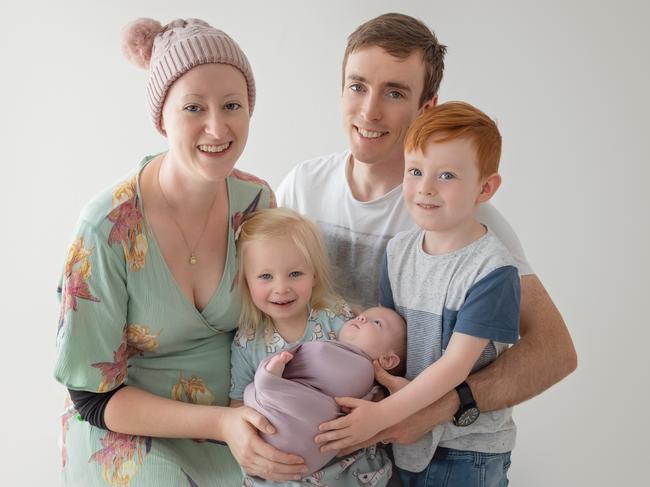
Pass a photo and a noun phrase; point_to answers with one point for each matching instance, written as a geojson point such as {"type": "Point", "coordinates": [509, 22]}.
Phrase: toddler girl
{"type": "Point", "coordinates": [287, 299]}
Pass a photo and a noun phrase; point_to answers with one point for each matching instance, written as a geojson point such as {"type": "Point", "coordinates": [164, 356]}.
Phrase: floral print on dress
{"type": "Point", "coordinates": [140, 340]}
{"type": "Point", "coordinates": [192, 390]}
{"type": "Point", "coordinates": [75, 279]}
{"type": "Point", "coordinates": [236, 221]}
{"type": "Point", "coordinates": [128, 226]}
{"type": "Point", "coordinates": [189, 479]}
{"type": "Point", "coordinates": [244, 176]}
{"type": "Point", "coordinates": [121, 457]}
{"type": "Point", "coordinates": [136, 340]}
{"type": "Point", "coordinates": [68, 413]}
{"type": "Point", "coordinates": [237, 218]}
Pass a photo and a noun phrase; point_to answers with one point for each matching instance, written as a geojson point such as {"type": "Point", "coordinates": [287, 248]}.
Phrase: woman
{"type": "Point", "coordinates": [148, 300]}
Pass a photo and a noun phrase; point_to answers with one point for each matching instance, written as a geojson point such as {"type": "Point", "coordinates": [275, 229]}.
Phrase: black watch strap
{"type": "Point", "coordinates": [465, 395]}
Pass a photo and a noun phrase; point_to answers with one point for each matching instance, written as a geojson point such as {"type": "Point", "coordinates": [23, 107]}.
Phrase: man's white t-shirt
{"type": "Point", "coordinates": [356, 232]}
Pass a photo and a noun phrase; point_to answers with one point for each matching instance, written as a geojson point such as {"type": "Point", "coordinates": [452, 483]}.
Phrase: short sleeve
{"type": "Point", "coordinates": [494, 220]}
{"type": "Point", "coordinates": [385, 291]}
{"type": "Point", "coordinates": [91, 338]}
{"type": "Point", "coordinates": [242, 370]}
{"type": "Point", "coordinates": [285, 193]}
{"type": "Point", "coordinates": [491, 307]}
{"type": "Point", "coordinates": [251, 178]}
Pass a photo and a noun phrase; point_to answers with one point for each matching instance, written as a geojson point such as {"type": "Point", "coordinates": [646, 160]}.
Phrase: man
{"type": "Point", "coordinates": [392, 69]}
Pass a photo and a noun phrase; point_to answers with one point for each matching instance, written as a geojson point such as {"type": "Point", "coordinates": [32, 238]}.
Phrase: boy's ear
{"type": "Point", "coordinates": [389, 361]}
{"type": "Point", "coordinates": [489, 187]}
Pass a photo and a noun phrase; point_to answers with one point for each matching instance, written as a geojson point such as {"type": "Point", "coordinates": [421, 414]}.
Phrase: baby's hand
{"type": "Point", "coordinates": [278, 362]}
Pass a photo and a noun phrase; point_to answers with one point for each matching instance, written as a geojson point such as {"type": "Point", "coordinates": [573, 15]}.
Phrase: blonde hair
{"type": "Point", "coordinates": [283, 223]}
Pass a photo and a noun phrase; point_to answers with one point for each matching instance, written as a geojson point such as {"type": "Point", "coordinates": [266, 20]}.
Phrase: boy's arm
{"type": "Point", "coordinates": [430, 385]}
{"type": "Point", "coordinates": [543, 356]}
{"type": "Point", "coordinates": [435, 381]}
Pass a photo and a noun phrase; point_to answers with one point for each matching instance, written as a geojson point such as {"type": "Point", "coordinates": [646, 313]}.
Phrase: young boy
{"type": "Point", "coordinates": [457, 287]}
{"type": "Point", "coordinates": [295, 389]}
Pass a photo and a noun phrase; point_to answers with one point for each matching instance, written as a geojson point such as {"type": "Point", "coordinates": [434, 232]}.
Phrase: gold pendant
{"type": "Point", "coordinates": [193, 259]}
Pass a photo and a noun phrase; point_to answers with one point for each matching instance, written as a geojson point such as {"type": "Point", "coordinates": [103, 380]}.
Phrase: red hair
{"type": "Point", "coordinates": [454, 120]}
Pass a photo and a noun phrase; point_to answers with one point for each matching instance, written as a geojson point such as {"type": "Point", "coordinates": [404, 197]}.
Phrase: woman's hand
{"type": "Point", "coordinates": [239, 427]}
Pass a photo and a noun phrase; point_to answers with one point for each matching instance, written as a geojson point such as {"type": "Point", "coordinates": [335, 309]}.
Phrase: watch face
{"type": "Point", "coordinates": [467, 417]}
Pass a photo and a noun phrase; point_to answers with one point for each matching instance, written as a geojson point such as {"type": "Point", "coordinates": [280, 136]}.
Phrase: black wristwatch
{"type": "Point", "coordinates": [467, 412]}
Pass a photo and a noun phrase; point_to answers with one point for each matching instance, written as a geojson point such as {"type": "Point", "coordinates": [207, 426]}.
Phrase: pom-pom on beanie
{"type": "Point", "coordinates": [170, 51]}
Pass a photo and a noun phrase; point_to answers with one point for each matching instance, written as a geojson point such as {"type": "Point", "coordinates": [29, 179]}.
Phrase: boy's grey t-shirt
{"type": "Point", "coordinates": [356, 232]}
{"type": "Point", "coordinates": [475, 291]}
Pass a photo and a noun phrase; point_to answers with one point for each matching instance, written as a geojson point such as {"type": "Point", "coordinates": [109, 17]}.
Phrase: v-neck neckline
{"type": "Point", "coordinates": [151, 236]}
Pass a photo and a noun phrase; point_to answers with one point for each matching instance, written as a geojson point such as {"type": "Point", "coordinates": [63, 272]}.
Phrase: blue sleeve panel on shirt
{"type": "Point", "coordinates": [491, 307]}
{"type": "Point", "coordinates": [385, 292]}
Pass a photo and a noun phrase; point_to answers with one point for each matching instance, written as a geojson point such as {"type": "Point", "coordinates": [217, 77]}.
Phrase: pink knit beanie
{"type": "Point", "coordinates": [170, 51]}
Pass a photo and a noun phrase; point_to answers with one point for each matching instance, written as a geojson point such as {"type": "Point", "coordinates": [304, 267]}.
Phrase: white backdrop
{"type": "Point", "coordinates": [567, 81]}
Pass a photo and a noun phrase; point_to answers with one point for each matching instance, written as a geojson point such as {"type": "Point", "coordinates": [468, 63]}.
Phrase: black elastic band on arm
{"type": "Point", "coordinates": [91, 405]}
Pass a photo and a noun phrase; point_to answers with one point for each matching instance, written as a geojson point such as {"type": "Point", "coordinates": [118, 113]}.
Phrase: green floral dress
{"type": "Point", "coordinates": [124, 321]}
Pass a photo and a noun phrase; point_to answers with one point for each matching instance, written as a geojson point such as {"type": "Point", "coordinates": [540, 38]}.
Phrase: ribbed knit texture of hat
{"type": "Point", "coordinates": [184, 44]}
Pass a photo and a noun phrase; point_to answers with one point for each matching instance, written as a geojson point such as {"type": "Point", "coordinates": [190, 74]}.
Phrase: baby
{"type": "Point", "coordinates": [295, 389]}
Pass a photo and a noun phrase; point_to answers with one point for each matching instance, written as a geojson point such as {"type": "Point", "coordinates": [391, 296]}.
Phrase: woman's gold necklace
{"type": "Point", "coordinates": [192, 250]}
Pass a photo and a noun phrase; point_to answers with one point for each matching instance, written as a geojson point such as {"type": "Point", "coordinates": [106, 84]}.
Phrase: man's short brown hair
{"type": "Point", "coordinates": [400, 35]}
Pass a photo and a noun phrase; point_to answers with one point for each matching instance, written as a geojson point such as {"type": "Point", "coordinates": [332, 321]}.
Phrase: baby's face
{"type": "Point", "coordinates": [376, 331]}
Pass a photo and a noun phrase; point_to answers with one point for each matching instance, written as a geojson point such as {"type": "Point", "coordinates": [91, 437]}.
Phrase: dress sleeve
{"type": "Point", "coordinates": [242, 369]}
{"type": "Point", "coordinates": [245, 176]}
{"type": "Point", "coordinates": [91, 405]}
{"type": "Point", "coordinates": [491, 307]}
{"type": "Point", "coordinates": [91, 339]}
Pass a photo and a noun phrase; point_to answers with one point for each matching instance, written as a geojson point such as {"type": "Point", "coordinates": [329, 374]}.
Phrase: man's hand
{"type": "Point", "coordinates": [363, 422]}
{"type": "Point", "coordinates": [391, 382]}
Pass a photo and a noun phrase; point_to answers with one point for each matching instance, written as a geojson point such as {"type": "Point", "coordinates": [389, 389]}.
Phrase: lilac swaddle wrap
{"type": "Point", "coordinates": [299, 401]}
